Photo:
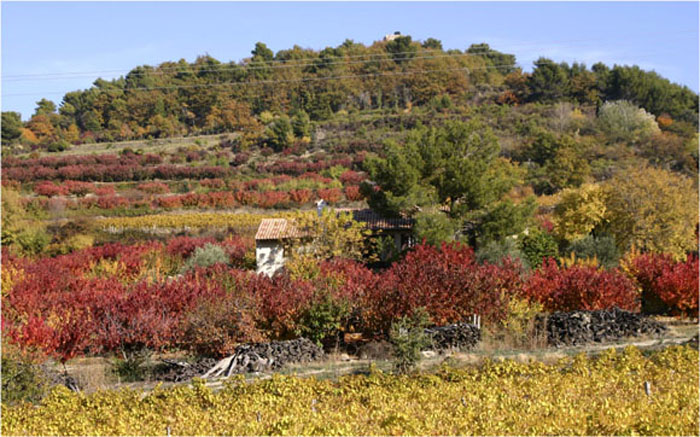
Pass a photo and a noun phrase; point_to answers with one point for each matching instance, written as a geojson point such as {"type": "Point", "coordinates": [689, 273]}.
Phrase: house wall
{"type": "Point", "coordinates": [269, 256]}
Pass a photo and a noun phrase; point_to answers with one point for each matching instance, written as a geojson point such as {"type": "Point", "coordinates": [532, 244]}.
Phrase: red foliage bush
{"type": "Point", "coordinates": [301, 196]}
{"type": "Point", "coordinates": [667, 285]}
{"type": "Point", "coordinates": [271, 199]}
{"type": "Point", "coordinates": [330, 195]}
{"type": "Point", "coordinates": [60, 306]}
{"type": "Point", "coordinates": [79, 188]}
{"type": "Point", "coordinates": [109, 202]}
{"type": "Point", "coordinates": [220, 199]}
{"type": "Point", "coordinates": [581, 288]}
{"type": "Point", "coordinates": [352, 193]}
{"type": "Point", "coordinates": [169, 202]}
{"type": "Point", "coordinates": [677, 286]}
{"type": "Point", "coordinates": [105, 190]}
{"type": "Point", "coordinates": [153, 187]}
{"type": "Point", "coordinates": [448, 282]}
{"type": "Point", "coordinates": [212, 183]}
{"type": "Point", "coordinates": [184, 246]}
{"type": "Point", "coordinates": [281, 302]}
{"type": "Point", "coordinates": [217, 325]}
{"type": "Point", "coordinates": [50, 189]}
{"type": "Point", "coordinates": [351, 177]}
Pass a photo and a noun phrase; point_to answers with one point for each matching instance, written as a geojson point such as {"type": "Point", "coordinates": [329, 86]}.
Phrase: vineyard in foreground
{"type": "Point", "coordinates": [575, 396]}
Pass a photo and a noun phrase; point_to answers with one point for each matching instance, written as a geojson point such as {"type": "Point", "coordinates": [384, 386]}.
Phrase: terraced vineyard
{"type": "Point", "coordinates": [575, 396]}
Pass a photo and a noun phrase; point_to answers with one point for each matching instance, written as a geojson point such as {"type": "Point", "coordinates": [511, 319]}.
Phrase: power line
{"type": "Point", "coordinates": [246, 68]}
{"type": "Point", "coordinates": [264, 82]}
{"type": "Point", "coordinates": [274, 81]}
{"type": "Point", "coordinates": [369, 57]}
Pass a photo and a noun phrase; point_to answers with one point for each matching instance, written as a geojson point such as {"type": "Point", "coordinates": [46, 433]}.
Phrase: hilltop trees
{"type": "Point", "coordinates": [549, 81]}
{"type": "Point", "coordinates": [192, 98]}
{"type": "Point", "coordinates": [502, 62]}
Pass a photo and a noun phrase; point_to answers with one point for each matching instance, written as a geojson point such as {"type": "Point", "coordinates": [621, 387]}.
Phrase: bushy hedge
{"type": "Point", "coordinates": [124, 298]}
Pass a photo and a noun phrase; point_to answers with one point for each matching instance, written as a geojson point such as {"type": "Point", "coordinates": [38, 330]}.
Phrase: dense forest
{"type": "Point", "coordinates": [208, 96]}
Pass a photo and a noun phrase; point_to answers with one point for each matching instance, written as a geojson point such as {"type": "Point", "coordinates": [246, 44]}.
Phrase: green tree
{"type": "Point", "coordinates": [279, 133]}
{"type": "Point", "coordinates": [502, 219]}
{"type": "Point", "coordinates": [432, 43]}
{"type": "Point", "coordinates": [434, 227]}
{"type": "Point", "coordinates": [397, 178]}
{"type": "Point", "coordinates": [262, 53]}
{"type": "Point", "coordinates": [558, 163]}
{"type": "Point", "coordinates": [301, 123]}
{"type": "Point", "coordinates": [455, 165]}
{"type": "Point", "coordinates": [537, 245]}
{"type": "Point", "coordinates": [45, 107]}
{"type": "Point", "coordinates": [501, 62]}
{"type": "Point", "coordinates": [11, 126]}
{"type": "Point", "coordinates": [407, 337]}
{"type": "Point", "coordinates": [602, 248]}
{"type": "Point", "coordinates": [401, 49]}
{"type": "Point", "coordinates": [650, 91]}
{"type": "Point", "coordinates": [549, 81]}
{"type": "Point", "coordinates": [494, 251]}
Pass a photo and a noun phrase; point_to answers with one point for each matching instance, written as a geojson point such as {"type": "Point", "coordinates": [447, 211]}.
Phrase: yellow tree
{"type": "Point", "coordinates": [652, 209]}
{"type": "Point", "coordinates": [579, 211]}
{"type": "Point", "coordinates": [231, 116]}
{"type": "Point", "coordinates": [318, 238]}
{"type": "Point", "coordinates": [72, 134]}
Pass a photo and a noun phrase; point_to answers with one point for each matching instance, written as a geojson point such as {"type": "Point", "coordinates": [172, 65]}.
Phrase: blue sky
{"type": "Point", "coordinates": [86, 37]}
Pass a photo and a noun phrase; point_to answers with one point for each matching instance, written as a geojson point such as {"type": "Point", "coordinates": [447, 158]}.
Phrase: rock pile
{"type": "Point", "coordinates": [260, 357]}
{"type": "Point", "coordinates": [457, 335]}
{"type": "Point", "coordinates": [580, 327]}
{"type": "Point", "coordinates": [178, 371]}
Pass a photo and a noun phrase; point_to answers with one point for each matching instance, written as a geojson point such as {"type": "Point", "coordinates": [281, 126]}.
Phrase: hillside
{"type": "Point", "coordinates": [209, 96]}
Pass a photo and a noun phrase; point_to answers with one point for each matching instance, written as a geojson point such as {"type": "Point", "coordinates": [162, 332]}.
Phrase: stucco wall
{"type": "Point", "coordinates": [269, 256]}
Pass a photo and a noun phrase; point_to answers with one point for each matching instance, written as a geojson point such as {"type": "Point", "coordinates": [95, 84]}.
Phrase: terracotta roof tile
{"type": "Point", "coordinates": [275, 229]}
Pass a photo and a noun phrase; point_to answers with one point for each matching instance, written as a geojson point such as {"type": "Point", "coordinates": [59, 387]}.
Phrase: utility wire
{"type": "Point", "coordinates": [245, 68]}
{"type": "Point", "coordinates": [263, 82]}
{"type": "Point", "coordinates": [275, 81]}
{"type": "Point", "coordinates": [290, 63]}
{"type": "Point", "coordinates": [318, 62]}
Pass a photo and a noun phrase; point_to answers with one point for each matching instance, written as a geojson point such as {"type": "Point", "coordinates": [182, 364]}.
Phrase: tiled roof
{"type": "Point", "coordinates": [278, 229]}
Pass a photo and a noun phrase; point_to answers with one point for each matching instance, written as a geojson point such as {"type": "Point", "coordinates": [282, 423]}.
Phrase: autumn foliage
{"type": "Point", "coordinates": [581, 287]}
{"type": "Point", "coordinates": [667, 285]}
{"type": "Point", "coordinates": [118, 297]}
